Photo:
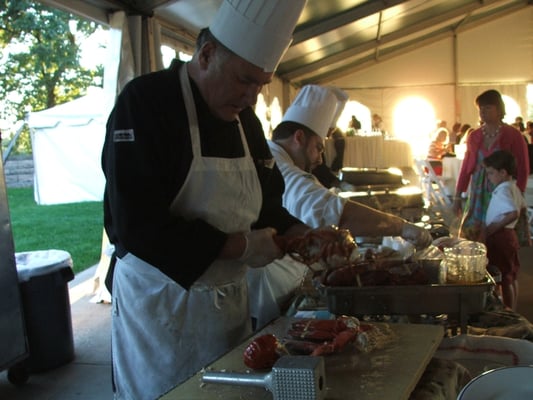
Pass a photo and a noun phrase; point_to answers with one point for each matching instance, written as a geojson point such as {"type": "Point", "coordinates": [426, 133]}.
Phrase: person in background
{"type": "Point", "coordinates": [504, 208]}
{"type": "Point", "coordinates": [325, 175]}
{"type": "Point", "coordinates": [328, 175]}
{"type": "Point", "coordinates": [441, 124]}
{"type": "Point", "coordinates": [461, 136]}
{"type": "Point", "coordinates": [529, 132]}
{"type": "Point", "coordinates": [526, 135]}
{"type": "Point", "coordinates": [355, 124]}
{"type": "Point", "coordinates": [437, 149]}
{"type": "Point", "coordinates": [297, 145]}
{"type": "Point", "coordinates": [519, 123]}
{"type": "Point", "coordinates": [339, 143]}
{"type": "Point", "coordinates": [190, 199]}
{"type": "Point", "coordinates": [453, 137]}
{"type": "Point", "coordinates": [491, 136]}
{"type": "Point", "coordinates": [335, 133]}
{"type": "Point", "coordinates": [377, 123]}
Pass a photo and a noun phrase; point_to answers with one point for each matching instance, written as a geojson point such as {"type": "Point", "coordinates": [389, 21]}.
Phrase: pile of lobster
{"type": "Point", "coordinates": [333, 257]}
{"type": "Point", "coordinates": [323, 248]}
{"type": "Point", "coordinates": [307, 337]}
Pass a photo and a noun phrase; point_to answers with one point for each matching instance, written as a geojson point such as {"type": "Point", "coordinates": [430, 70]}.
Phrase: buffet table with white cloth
{"type": "Point", "coordinates": [372, 152]}
{"type": "Point", "coordinates": [451, 166]}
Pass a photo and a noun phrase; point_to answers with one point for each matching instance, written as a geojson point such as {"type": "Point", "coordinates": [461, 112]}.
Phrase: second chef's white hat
{"type": "Point", "coordinates": [342, 99]}
{"type": "Point", "coordinates": [314, 107]}
{"type": "Point", "coordinates": [260, 31]}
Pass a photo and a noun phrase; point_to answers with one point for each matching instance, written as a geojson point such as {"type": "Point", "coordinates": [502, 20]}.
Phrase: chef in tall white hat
{"type": "Point", "coordinates": [258, 31]}
{"type": "Point", "coordinates": [309, 200]}
{"type": "Point", "coordinates": [188, 204]}
{"type": "Point", "coordinates": [306, 123]}
{"type": "Point", "coordinates": [297, 145]}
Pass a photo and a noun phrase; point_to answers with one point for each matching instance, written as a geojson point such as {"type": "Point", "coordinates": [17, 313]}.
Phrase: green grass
{"type": "Point", "coordinates": [76, 227]}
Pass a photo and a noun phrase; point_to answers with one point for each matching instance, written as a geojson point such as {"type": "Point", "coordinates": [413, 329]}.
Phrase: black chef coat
{"type": "Point", "coordinates": [145, 170]}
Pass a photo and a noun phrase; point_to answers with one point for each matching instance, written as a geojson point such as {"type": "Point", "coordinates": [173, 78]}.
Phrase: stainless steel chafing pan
{"type": "Point", "coordinates": [435, 299]}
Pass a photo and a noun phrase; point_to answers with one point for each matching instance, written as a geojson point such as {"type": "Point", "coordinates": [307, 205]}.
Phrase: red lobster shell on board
{"type": "Point", "coordinates": [321, 337]}
{"type": "Point", "coordinates": [306, 336]}
{"type": "Point", "coordinates": [263, 352]}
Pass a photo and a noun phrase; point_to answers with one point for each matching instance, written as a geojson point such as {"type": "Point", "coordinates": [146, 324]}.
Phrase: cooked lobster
{"type": "Point", "coordinates": [376, 273]}
{"type": "Point", "coordinates": [307, 337]}
{"type": "Point", "coordinates": [320, 337]}
{"type": "Point", "coordinates": [323, 248]}
{"type": "Point", "coordinates": [263, 352]}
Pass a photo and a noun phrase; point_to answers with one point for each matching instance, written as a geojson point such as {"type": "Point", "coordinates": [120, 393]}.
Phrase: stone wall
{"type": "Point", "coordinates": [18, 171]}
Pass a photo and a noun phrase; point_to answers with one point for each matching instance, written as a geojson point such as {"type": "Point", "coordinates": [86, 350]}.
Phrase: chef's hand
{"type": "Point", "coordinates": [261, 249]}
{"type": "Point", "coordinates": [418, 236]}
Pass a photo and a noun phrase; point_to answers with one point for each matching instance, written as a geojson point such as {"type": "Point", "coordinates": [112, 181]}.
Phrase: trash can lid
{"type": "Point", "coordinates": [41, 262]}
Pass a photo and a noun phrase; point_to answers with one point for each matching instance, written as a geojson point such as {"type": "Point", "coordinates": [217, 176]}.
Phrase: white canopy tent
{"type": "Point", "coordinates": [67, 143]}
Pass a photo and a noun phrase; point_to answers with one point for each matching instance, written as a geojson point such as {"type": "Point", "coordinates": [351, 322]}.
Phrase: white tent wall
{"type": "Point", "coordinates": [67, 143]}
{"type": "Point", "coordinates": [499, 51]}
{"type": "Point", "coordinates": [385, 100]}
{"type": "Point", "coordinates": [450, 73]}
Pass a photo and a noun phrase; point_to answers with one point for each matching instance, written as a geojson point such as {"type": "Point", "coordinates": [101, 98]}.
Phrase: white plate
{"type": "Point", "coordinates": [507, 383]}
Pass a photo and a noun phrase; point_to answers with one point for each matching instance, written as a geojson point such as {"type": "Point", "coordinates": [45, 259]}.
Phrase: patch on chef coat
{"type": "Point", "coordinates": [269, 163]}
{"type": "Point", "coordinates": [123, 135]}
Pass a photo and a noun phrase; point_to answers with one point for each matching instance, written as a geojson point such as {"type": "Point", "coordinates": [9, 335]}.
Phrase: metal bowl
{"type": "Point", "coordinates": [506, 383]}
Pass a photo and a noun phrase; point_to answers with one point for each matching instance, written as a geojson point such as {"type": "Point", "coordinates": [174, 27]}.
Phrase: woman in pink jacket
{"type": "Point", "coordinates": [492, 135]}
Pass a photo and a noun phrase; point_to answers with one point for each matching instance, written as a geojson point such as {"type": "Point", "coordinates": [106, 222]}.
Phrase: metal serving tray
{"type": "Point", "coordinates": [410, 299]}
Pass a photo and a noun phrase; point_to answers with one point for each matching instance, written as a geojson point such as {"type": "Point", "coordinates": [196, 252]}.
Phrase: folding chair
{"type": "Point", "coordinates": [434, 186]}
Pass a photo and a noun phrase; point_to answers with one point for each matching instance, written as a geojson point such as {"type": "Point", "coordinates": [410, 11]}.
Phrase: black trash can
{"type": "Point", "coordinates": [43, 280]}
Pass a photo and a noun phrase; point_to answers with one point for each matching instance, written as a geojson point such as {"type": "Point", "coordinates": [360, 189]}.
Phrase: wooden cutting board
{"type": "Point", "coordinates": [388, 373]}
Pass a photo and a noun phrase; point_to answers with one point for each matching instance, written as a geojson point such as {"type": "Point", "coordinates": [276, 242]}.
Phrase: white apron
{"type": "Point", "coordinates": [161, 333]}
{"type": "Point", "coordinates": [272, 286]}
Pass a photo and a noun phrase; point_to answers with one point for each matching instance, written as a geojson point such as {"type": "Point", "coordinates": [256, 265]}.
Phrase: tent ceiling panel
{"type": "Point", "coordinates": [333, 38]}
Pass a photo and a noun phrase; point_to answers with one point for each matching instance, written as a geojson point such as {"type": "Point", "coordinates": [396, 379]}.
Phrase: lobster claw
{"type": "Point", "coordinates": [324, 248]}
{"type": "Point", "coordinates": [263, 352]}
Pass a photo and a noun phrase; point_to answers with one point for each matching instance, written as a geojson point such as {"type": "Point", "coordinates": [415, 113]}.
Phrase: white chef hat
{"type": "Point", "coordinates": [313, 107]}
{"type": "Point", "coordinates": [260, 31]}
{"type": "Point", "coordinates": [342, 99]}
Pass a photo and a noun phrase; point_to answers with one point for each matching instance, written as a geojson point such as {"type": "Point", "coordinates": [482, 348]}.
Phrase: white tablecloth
{"type": "Point", "coordinates": [396, 153]}
{"type": "Point", "coordinates": [451, 166]}
{"type": "Point", "coordinates": [372, 152]}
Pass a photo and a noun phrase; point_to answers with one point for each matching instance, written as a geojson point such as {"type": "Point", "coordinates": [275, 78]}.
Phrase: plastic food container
{"type": "Point", "coordinates": [465, 262]}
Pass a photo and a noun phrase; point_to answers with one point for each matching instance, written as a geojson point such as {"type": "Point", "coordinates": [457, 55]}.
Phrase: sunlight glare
{"type": "Point", "coordinates": [361, 112]}
{"type": "Point", "coordinates": [414, 121]}
{"type": "Point", "coordinates": [94, 48]}
{"type": "Point", "coordinates": [512, 109]}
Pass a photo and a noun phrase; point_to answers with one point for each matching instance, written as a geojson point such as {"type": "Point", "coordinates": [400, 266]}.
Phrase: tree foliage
{"type": "Point", "coordinates": [42, 67]}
